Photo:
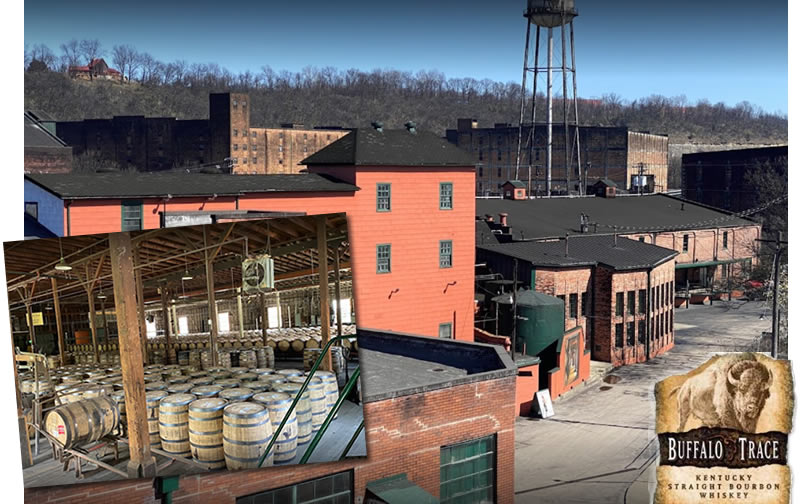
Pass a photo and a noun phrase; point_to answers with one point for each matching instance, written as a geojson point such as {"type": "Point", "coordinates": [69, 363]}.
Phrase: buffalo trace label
{"type": "Point", "coordinates": [723, 432]}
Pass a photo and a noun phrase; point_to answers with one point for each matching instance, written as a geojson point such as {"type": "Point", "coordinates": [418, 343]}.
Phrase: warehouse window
{"type": "Point", "coordinates": [32, 209]}
{"type": "Point", "coordinates": [244, 146]}
{"type": "Point", "coordinates": [384, 253]}
{"type": "Point", "coordinates": [235, 146]}
{"type": "Point", "coordinates": [273, 317]}
{"type": "Point", "coordinates": [585, 304]}
{"type": "Point", "coordinates": [686, 243]}
{"type": "Point", "coordinates": [573, 306]}
{"type": "Point", "coordinates": [725, 240]}
{"type": "Point", "coordinates": [631, 335]}
{"type": "Point", "coordinates": [642, 301]}
{"type": "Point", "coordinates": [641, 239]}
{"type": "Point", "coordinates": [664, 294]}
{"type": "Point", "coordinates": [445, 253]}
{"type": "Point", "coordinates": [618, 341]}
{"type": "Point", "coordinates": [446, 196]}
{"type": "Point", "coordinates": [131, 215]}
{"type": "Point", "coordinates": [446, 330]}
{"type": "Point", "coordinates": [467, 472]}
{"type": "Point", "coordinates": [224, 322]}
{"type": "Point", "coordinates": [254, 134]}
{"type": "Point", "coordinates": [642, 327]}
{"type": "Point", "coordinates": [384, 195]}
{"type": "Point", "coordinates": [631, 303]}
{"type": "Point", "coordinates": [333, 489]}
{"type": "Point", "coordinates": [499, 172]}
{"type": "Point", "coordinates": [235, 132]}
{"type": "Point", "coordinates": [480, 171]}
{"type": "Point", "coordinates": [620, 308]}
{"type": "Point", "coordinates": [255, 160]}
{"type": "Point", "coordinates": [183, 325]}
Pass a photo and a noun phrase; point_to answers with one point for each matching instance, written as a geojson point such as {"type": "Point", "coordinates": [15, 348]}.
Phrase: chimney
{"type": "Point", "coordinates": [566, 245]}
{"type": "Point", "coordinates": [615, 236]}
{"type": "Point", "coordinates": [378, 126]}
{"type": "Point", "coordinates": [489, 218]}
{"type": "Point", "coordinates": [504, 219]}
{"type": "Point", "coordinates": [411, 126]}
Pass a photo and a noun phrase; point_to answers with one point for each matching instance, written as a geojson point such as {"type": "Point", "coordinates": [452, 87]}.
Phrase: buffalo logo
{"type": "Point", "coordinates": [729, 394]}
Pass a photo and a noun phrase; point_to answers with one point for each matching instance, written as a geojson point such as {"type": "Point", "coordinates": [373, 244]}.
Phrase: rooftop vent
{"type": "Point", "coordinates": [411, 126]}
{"type": "Point", "coordinates": [377, 125]}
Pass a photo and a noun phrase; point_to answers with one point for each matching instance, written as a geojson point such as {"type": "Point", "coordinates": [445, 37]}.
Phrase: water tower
{"type": "Point", "coordinates": [550, 14]}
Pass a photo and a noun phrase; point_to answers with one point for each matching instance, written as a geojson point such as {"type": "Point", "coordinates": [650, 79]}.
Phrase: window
{"type": "Point", "coordinates": [642, 301]}
{"type": "Point", "coordinates": [235, 146]}
{"type": "Point", "coordinates": [384, 253]}
{"type": "Point", "coordinates": [183, 325]}
{"type": "Point", "coordinates": [641, 239]}
{"type": "Point", "coordinates": [446, 330]}
{"type": "Point", "coordinates": [150, 328]}
{"type": "Point", "coordinates": [445, 254]}
{"type": "Point", "coordinates": [573, 306]}
{"type": "Point", "coordinates": [642, 327]}
{"type": "Point", "coordinates": [224, 322]}
{"type": "Point", "coordinates": [273, 317]}
{"type": "Point", "coordinates": [32, 209]}
{"type": "Point", "coordinates": [446, 196]}
{"type": "Point", "coordinates": [631, 335]}
{"type": "Point", "coordinates": [131, 215]}
{"type": "Point", "coordinates": [620, 309]}
{"type": "Point", "coordinates": [244, 103]}
{"type": "Point", "coordinates": [254, 147]}
{"type": "Point", "coordinates": [244, 146]}
{"type": "Point", "coordinates": [686, 243]}
{"type": "Point", "coordinates": [235, 103]}
{"type": "Point", "coordinates": [235, 132]}
{"type": "Point", "coordinates": [244, 160]}
{"type": "Point", "coordinates": [585, 304]}
{"type": "Point", "coordinates": [663, 294]}
{"type": "Point", "coordinates": [499, 156]}
{"type": "Point", "coordinates": [467, 472]}
{"type": "Point", "coordinates": [618, 341]}
{"type": "Point", "coordinates": [254, 134]}
{"type": "Point", "coordinates": [480, 171]}
{"type": "Point", "coordinates": [255, 160]}
{"type": "Point", "coordinates": [384, 192]}
{"type": "Point", "coordinates": [725, 240]}
{"type": "Point", "coordinates": [347, 311]}
{"type": "Point", "coordinates": [631, 302]}
{"type": "Point", "coordinates": [280, 148]}
{"type": "Point", "coordinates": [499, 172]}
{"type": "Point", "coordinates": [333, 489]}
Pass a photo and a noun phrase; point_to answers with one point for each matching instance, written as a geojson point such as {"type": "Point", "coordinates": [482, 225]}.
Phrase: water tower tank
{"type": "Point", "coordinates": [540, 319]}
{"type": "Point", "coordinates": [548, 13]}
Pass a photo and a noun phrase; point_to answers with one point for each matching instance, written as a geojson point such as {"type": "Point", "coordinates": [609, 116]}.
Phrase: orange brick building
{"type": "Point", "coordinates": [421, 426]}
{"type": "Point", "coordinates": [408, 196]}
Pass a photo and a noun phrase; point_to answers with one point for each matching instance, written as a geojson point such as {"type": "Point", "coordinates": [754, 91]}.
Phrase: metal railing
{"type": "Point", "coordinates": [348, 387]}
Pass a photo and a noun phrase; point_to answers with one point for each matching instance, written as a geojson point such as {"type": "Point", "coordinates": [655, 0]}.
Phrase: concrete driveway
{"type": "Point", "coordinates": [600, 446]}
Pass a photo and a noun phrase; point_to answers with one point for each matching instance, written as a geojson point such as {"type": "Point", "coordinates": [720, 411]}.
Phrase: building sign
{"type": "Point", "coordinates": [38, 319]}
{"type": "Point", "coordinates": [723, 432]}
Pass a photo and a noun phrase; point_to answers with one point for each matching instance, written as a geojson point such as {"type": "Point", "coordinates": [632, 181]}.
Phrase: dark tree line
{"type": "Point", "coordinates": [329, 96]}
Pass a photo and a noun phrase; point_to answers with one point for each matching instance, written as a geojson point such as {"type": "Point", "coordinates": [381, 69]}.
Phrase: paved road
{"type": "Point", "coordinates": [599, 446]}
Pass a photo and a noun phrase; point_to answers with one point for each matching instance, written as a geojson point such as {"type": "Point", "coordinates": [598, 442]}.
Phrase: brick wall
{"type": "Point", "coordinates": [653, 151]}
{"type": "Point", "coordinates": [404, 435]}
{"type": "Point", "coordinates": [48, 159]}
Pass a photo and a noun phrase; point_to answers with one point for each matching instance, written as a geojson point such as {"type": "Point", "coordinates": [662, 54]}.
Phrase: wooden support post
{"type": "Point", "coordinates": [24, 442]}
{"type": "Point", "coordinates": [166, 319]}
{"type": "Point", "coordinates": [263, 301]}
{"type": "Point", "coordinates": [212, 302]}
{"type": "Point", "coordinates": [142, 464]}
{"type": "Point", "coordinates": [324, 302]}
{"type": "Point", "coordinates": [240, 314]}
{"type": "Point", "coordinates": [31, 330]}
{"type": "Point", "coordinates": [338, 292]}
{"type": "Point", "coordinates": [105, 324]}
{"type": "Point", "coordinates": [140, 307]}
{"type": "Point", "coordinates": [59, 326]}
{"type": "Point", "coordinates": [92, 326]}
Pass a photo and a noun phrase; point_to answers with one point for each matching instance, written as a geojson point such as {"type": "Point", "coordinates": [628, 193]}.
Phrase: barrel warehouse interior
{"type": "Point", "coordinates": [184, 350]}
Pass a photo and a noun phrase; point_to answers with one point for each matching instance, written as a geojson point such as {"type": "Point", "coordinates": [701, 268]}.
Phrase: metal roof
{"type": "Point", "coordinates": [483, 234]}
{"type": "Point", "coordinates": [555, 217]}
{"type": "Point", "coordinates": [586, 251]}
{"type": "Point", "coordinates": [150, 185]}
{"type": "Point", "coordinates": [38, 136]}
{"type": "Point", "coordinates": [398, 147]}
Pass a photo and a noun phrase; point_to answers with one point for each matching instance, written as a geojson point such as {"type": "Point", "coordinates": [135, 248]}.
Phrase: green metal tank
{"type": "Point", "coordinates": [540, 320]}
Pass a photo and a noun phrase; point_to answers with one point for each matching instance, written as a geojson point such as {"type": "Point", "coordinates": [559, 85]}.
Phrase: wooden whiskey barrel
{"type": "Point", "coordinates": [118, 397]}
{"type": "Point", "coordinates": [302, 410]}
{"type": "Point", "coordinates": [205, 431]}
{"type": "Point", "coordinates": [316, 391]}
{"type": "Point", "coordinates": [277, 404]}
{"type": "Point", "coordinates": [273, 380]}
{"type": "Point", "coordinates": [151, 400]}
{"type": "Point", "coordinates": [180, 388]}
{"type": "Point", "coordinates": [228, 383]}
{"type": "Point", "coordinates": [331, 388]}
{"type": "Point", "coordinates": [236, 394]}
{"type": "Point", "coordinates": [246, 431]}
{"type": "Point", "coordinates": [173, 423]}
{"type": "Point", "coordinates": [82, 422]}
{"type": "Point", "coordinates": [206, 390]}
{"type": "Point", "coordinates": [289, 372]}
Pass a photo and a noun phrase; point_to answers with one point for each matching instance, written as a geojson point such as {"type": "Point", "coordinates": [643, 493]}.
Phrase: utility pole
{"type": "Point", "coordinates": [775, 284]}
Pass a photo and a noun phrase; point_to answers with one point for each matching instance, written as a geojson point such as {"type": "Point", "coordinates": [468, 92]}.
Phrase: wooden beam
{"type": "Point", "coordinates": [92, 324]}
{"type": "Point", "coordinates": [166, 319]}
{"type": "Point", "coordinates": [324, 302]}
{"type": "Point", "coordinates": [225, 236]}
{"type": "Point", "coordinates": [338, 292]}
{"type": "Point", "coordinates": [140, 307]}
{"type": "Point", "coordinates": [142, 464]}
{"type": "Point", "coordinates": [59, 326]}
{"type": "Point", "coordinates": [212, 303]}
{"type": "Point", "coordinates": [31, 330]}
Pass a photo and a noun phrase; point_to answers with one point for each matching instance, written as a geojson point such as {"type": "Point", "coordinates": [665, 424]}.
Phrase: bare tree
{"type": "Point", "coordinates": [71, 53]}
{"type": "Point", "coordinates": [43, 54]}
{"type": "Point", "coordinates": [125, 58]}
{"type": "Point", "coordinates": [91, 49]}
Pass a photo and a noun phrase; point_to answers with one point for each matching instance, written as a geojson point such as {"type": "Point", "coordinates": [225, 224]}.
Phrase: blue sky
{"type": "Point", "coordinates": [728, 51]}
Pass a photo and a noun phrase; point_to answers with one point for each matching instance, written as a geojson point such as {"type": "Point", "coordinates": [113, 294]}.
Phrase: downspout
{"type": "Point", "coordinates": [68, 204]}
{"type": "Point", "coordinates": [648, 317]}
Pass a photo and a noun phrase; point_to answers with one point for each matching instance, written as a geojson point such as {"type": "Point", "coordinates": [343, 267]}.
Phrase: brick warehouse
{"type": "Point", "coordinates": [408, 196]}
{"type": "Point", "coordinates": [163, 143]}
{"type": "Point", "coordinates": [427, 404]}
{"type": "Point", "coordinates": [613, 153]}
{"type": "Point", "coordinates": [716, 249]}
{"type": "Point", "coordinates": [617, 290]}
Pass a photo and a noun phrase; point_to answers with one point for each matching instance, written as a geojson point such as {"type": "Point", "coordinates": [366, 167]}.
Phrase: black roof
{"type": "Point", "coordinates": [736, 155]}
{"type": "Point", "coordinates": [586, 251]}
{"type": "Point", "coordinates": [515, 183]}
{"type": "Point", "coordinates": [606, 182]}
{"type": "Point", "coordinates": [483, 234]}
{"type": "Point", "coordinates": [399, 147]}
{"type": "Point", "coordinates": [38, 136]}
{"type": "Point", "coordinates": [148, 185]}
{"type": "Point", "coordinates": [554, 217]}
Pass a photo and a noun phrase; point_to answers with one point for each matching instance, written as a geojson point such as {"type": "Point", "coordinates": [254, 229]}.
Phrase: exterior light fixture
{"type": "Point", "coordinates": [62, 264]}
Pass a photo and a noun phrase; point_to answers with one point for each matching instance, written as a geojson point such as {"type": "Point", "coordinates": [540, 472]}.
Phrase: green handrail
{"type": "Point", "coordinates": [352, 440]}
{"type": "Point", "coordinates": [345, 392]}
{"type": "Point", "coordinates": [298, 395]}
